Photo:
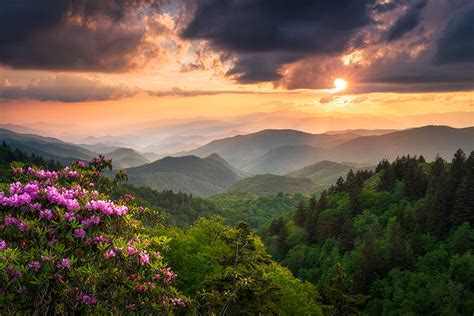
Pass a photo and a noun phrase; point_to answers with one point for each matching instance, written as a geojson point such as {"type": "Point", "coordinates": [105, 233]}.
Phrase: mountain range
{"type": "Point", "coordinates": [283, 151]}
{"type": "Point", "coordinates": [191, 174]}
{"type": "Point", "coordinates": [66, 153]}
{"type": "Point", "coordinates": [268, 161]}
{"type": "Point", "coordinates": [47, 147]}
{"type": "Point", "coordinates": [325, 173]}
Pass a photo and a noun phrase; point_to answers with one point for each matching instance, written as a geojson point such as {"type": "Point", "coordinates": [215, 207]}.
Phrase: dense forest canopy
{"type": "Point", "coordinates": [397, 240]}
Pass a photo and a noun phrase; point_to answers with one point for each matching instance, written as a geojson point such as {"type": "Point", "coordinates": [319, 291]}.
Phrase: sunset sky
{"type": "Point", "coordinates": [111, 62]}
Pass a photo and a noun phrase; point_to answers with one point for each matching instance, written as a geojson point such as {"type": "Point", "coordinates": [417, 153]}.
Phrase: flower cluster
{"type": "Point", "coordinates": [63, 239]}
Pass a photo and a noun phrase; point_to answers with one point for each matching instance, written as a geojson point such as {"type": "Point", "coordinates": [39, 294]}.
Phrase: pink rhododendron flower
{"type": "Point", "coordinates": [86, 299]}
{"type": "Point", "coordinates": [144, 258]}
{"type": "Point", "coordinates": [79, 233]}
{"type": "Point", "coordinates": [34, 265]}
{"type": "Point", "coordinates": [177, 302]}
{"type": "Point", "coordinates": [73, 174]}
{"type": "Point", "coordinates": [42, 174]}
{"type": "Point", "coordinates": [14, 273]}
{"type": "Point", "coordinates": [35, 206]}
{"type": "Point", "coordinates": [99, 239]}
{"type": "Point", "coordinates": [131, 251]}
{"type": "Point", "coordinates": [51, 205]}
{"type": "Point", "coordinates": [46, 214]}
{"type": "Point", "coordinates": [80, 164]}
{"type": "Point", "coordinates": [109, 254]}
{"type": "Point", "coordinates": [65, 263]}
{"type": "Point", "coordinates": [69, 216]}
{"type": "Point", "coordinates": [133, 240]}
{"type": "Point", "coordinates": [10, 221]}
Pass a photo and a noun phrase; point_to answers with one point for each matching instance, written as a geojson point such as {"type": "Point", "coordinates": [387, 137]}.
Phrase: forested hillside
{"type": "Point", "coordinates": [397, 240]}
{"type": "Point", "coordinates": [9, 155]}
{"type": "Point", "coordinates": [270, 184]}
{"type": "Point", "coordinates": [94, 254]}
{"type": "Point", "coordinates": [191, 174]}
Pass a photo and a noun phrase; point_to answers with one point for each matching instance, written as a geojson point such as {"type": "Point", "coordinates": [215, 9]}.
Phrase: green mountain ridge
{"type": "Point", "coordinates": [47, 147]}
{"type": "Point", "coordinates": [126, 158]}
{"type": "Point", "coordinates": [191, 174]}
{"type": "Point", "coordinates": [270, 184]}
{"type": "Point", "coordinates": [326, 173]}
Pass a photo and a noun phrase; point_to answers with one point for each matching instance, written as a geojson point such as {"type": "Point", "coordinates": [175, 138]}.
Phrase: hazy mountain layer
{"type": "Point", "coordinates": [326, 172]}
{"type": "Point", "coordinates": [46, 147]}
{"type": "Point", "coordinates": [191, 174]}
{"type": "Point", "coordinates": [283, 151]}
{"type": "Point", "coordinates": [269, 184]}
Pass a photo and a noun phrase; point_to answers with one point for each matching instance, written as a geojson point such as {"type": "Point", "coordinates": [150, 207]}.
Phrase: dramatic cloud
{"type": "Point", "coordinates": [65, 88]}
{"type": "Point", "coordinates": [406, 22]}
{"type": "Point", "coordinates": [86, 35]}
{"type": "Point", "coordinates": [376, 45]}
{"type": "Point", "coordinates": [438, 56]}
{"type": "Point", "coordinates": [457, 43]}
{"type": "Point", "coordinates": [266, 34]}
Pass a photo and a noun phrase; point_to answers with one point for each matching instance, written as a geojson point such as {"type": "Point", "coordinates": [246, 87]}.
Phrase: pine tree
{"type": "Point", "coordinates": [278, 228]}
{"type": "Point", "coordinates": [347, 236]}
{"type": "Point", "coordinates": [340, 185]}
{"type": "Point", "coordinates": [300, 215]}
{"type": "Point", "coordinates": [323, 202]}
{"type": "Point", "coordinates": [456, 174]}
{"type": "Point", "coordinates": [311, 226]}
{"type": "Point", "coordinates": [387, 179]}
{"type": "Point", "coordinates": [463, 210]}
{"type": "Point", "coordinates": [436, 207]}
{"type": "Point", "coordinates": [339, 294]}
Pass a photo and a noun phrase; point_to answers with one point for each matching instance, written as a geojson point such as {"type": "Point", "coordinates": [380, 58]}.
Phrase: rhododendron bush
{"type": "Point", "coordinates": [65, 246]}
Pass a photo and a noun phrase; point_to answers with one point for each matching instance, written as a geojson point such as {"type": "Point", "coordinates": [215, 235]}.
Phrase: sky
{"type": "Point", "coordinates": [113, 62]}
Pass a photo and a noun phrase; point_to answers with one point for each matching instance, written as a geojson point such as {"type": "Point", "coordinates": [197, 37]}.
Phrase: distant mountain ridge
{"type": "Point", "coordinates": [126, 158]}
{"type": "Point", "coordinates": [326, 173]}
{"type": "Point", "coordinates": [47, 147]}
{"type": "Point", "coordinates": [191, 174]}
{"type": "Point", "coordinates": [243, 149]}
{"type": "Point", "coordinates": [283, 151]}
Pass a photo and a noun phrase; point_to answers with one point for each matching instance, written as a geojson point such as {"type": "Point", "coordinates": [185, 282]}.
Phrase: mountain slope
{"type": "Point", "coordinates": [126, 158]}
{"type": "Point", "coordinates": [46, 147]}
{"type": "Point", "coordinates": [243, 149]}
{"type": "Point", "coordinates": [269, 184]}
{"type": "Point", "coordinates": [191, 174]}
{"type": "Point", "coordinates": [427, 141]}
{"type": "Point", "coordinates": [327, 172]}
{"type": "Point", "coordinates": [284, 159]}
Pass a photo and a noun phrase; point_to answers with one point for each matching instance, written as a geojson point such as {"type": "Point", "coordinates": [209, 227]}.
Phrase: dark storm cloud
{"type": "Point", "coordinates": [457, 42]}
{"type": "Point", "coordinates": [266, 32]}
{"type": "Point", "coordinates": [382, 7]}
{"type": "Point", "coordinates": [253, 68]}
{"type": "Point", "coordinates": [65, 88]}
{"type": "Point", "coordinates": [406, 22]}
{"type": "Point", "coordinates": [70, 35]}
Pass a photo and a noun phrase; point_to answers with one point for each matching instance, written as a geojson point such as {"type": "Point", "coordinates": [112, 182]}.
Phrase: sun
{"type": "Point", "coordinates": [339, 85]}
